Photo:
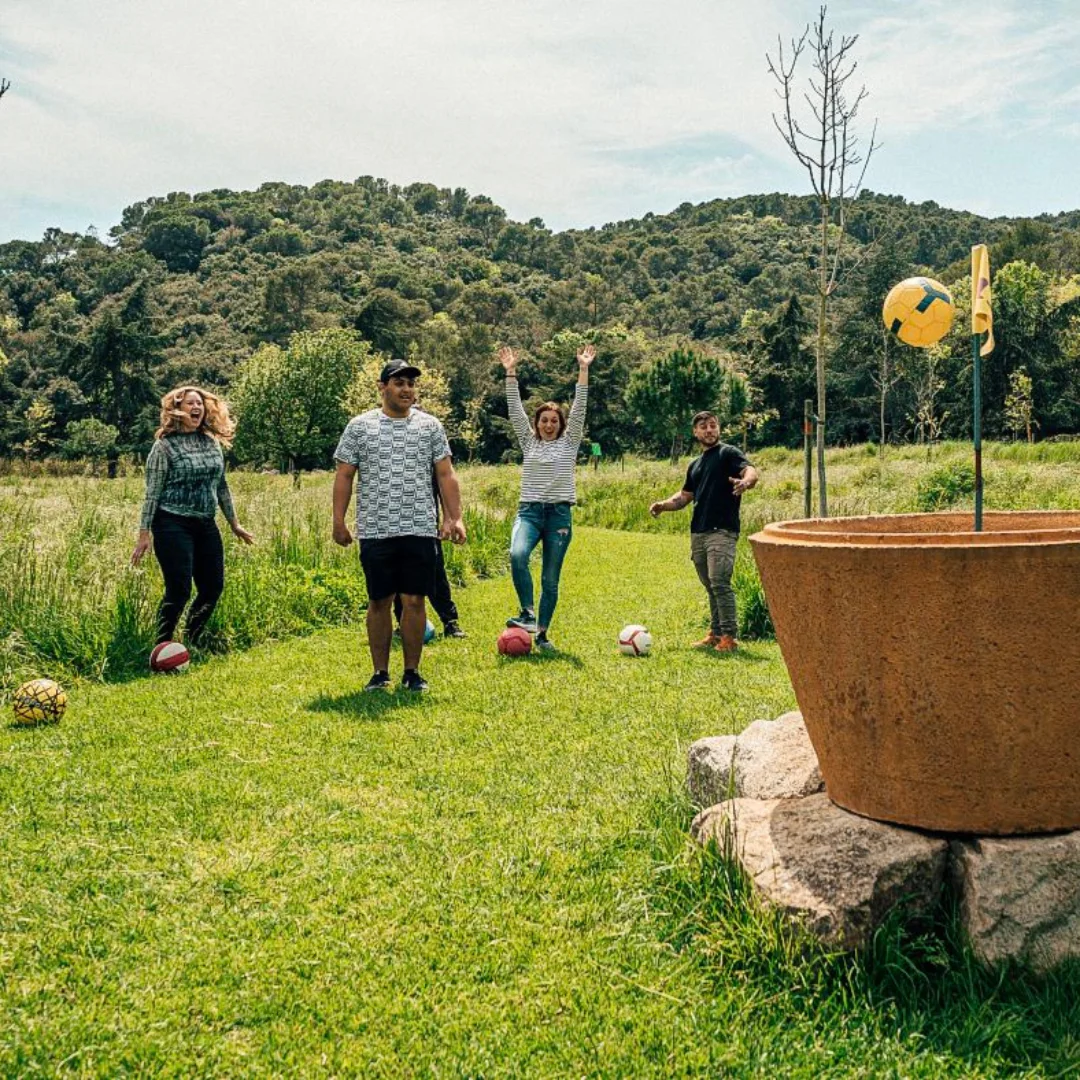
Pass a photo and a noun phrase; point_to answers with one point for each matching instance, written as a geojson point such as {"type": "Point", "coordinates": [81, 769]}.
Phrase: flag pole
{"type": "Point", "coordinates": [976, 428]}
{"type": "Point", "coordinates": [982, 321]}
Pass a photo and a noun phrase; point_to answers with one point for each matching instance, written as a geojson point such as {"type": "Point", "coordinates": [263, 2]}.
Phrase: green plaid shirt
{"type": "Point", "coordinates": [185, 475]}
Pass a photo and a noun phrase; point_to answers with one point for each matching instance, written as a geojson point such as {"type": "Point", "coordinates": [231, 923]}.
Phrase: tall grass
{"type": "Point", "coordinates": [1018, 476]}
{"type": "Point", "coordinates": [70, 603]}
{"type": "Point", "coordinates": [617, 495]}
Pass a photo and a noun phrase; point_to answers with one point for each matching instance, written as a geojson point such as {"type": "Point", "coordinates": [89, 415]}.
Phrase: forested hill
{"type": "Point", "coordinates": [185, 288]}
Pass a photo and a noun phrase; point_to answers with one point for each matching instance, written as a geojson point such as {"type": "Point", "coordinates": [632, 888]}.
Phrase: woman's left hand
{"type": "Point", "coordinates": [242, 534]}
{"type": "Point", "coordinates": [586, 355]}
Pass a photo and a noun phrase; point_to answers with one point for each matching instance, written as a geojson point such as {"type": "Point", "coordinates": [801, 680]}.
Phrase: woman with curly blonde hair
{"type": "Point", "coordinates": [185, 484]}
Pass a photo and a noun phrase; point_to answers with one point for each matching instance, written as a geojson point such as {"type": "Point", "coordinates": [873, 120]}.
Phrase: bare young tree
{"type": "Point", "coordinates": [884, 379]}
{"type": "Point", "coordinates": [817, 125]}
{"type": "Point", "coordinates": [923, 369]}
{"type": "Point", "coordinates": [5, 86]}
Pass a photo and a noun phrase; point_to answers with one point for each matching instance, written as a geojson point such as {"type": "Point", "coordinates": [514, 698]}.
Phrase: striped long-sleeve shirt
{"type": "Point", "coordinates": [548, 472]}
{"type": "Point", "coordinates": [185, 475]}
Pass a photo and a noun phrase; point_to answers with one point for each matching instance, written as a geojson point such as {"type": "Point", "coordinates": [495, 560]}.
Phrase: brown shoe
{"type": "Point", "coordinates": [726, 644]}
{"type": "Point", "coordinates": [707, 642]}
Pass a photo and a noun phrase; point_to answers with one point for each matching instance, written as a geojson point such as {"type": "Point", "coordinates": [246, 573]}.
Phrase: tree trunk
{"type": "Point", "coordinates": [884, 387]}
{"type": "Point", "coordinates": [823, 310]}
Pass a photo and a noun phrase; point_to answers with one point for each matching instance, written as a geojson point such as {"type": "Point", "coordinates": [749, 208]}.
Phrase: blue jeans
{"type": "Point", "coordinates": [538, 522]}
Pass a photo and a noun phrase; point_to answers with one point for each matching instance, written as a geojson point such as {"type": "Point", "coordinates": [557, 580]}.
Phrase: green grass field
{"type": "Point", "coordinates": [253, 869]}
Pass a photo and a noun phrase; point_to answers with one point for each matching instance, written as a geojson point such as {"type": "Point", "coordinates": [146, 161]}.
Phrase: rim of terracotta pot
{"type": "Point", "coordinates": [1001, 528]}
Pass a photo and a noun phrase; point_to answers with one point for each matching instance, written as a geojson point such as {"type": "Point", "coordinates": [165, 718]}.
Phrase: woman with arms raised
{"type": "Point", "coordinates": [549, 447]}
{"type": "Point", "coordinates": [185, 484]}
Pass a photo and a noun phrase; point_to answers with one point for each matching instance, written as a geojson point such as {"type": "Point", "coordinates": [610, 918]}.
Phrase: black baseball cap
{"type": "Point", "coordinates": [399, 367]}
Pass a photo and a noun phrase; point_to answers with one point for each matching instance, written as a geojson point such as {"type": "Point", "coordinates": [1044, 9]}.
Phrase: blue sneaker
{"type": "Point", "coordinates": [525, 621]}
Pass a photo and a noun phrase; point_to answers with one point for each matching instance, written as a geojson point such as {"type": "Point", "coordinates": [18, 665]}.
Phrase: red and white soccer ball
{"type": "Point", "coordinates": [635, 640]}
{"type": "Point", "coordinates": [169, 656]}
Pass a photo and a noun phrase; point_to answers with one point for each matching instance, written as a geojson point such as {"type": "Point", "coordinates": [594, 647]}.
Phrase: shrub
{"type": "Point", "coordinates": [755, 622]}
{"type": "Point", "coordinates": [945, 487]}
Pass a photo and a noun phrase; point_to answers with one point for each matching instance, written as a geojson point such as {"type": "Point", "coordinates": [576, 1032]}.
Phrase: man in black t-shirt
{"type": "Point", "coordinates": [714, 483]}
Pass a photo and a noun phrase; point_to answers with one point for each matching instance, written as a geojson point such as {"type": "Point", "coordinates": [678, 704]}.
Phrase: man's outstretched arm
{"type": "Point", "coordinates": [676, 502]}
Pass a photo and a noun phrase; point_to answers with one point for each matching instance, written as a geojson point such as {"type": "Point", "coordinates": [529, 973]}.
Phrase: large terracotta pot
{"type": "Point", "coordinates": [937, 669]}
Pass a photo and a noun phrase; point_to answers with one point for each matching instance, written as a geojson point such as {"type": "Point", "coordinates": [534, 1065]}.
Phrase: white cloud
{"type": "Point", "coordinates": [123, 100]}
{"type": "Point", "coordinates": [933, 65]}
{"type": "Point", "coordinates": [574, 110]}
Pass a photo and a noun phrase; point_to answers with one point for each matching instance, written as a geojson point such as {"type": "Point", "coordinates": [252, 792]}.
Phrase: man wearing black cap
{"type": "Point", "coordinates": [391, 451]}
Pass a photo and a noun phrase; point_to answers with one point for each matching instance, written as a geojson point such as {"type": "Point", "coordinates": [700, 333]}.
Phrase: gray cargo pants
{"type": "Point", "coordinates": [713, 556]}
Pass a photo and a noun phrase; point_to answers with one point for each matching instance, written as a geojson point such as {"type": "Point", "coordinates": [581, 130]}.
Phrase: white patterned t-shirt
{"type": "Point", "coordinates": [394, 459]}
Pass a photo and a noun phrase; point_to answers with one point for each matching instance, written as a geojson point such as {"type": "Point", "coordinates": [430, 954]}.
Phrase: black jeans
{"type": "Point", "coordinates": [442, 600]}
{"type": "Point", "coordinates": [187, 549]}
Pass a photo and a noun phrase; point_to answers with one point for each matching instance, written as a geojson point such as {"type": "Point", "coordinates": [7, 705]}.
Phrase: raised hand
{"type": "Point", "coordinates": [508, 359]}
{"type": "Point", "coordinates": [586, 355]}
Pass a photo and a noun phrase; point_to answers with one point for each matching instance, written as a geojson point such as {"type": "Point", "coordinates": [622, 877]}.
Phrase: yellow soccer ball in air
{"type": "Point", "coordinates": [919, 311]}
{"type": "Point", "coordinates": [40, 701]}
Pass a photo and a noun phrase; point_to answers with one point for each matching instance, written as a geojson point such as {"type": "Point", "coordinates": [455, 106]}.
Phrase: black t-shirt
{"type": "Point", "coordinates": [709, 477]}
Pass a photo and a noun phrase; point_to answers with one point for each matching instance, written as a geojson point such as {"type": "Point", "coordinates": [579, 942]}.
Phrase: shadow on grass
{"type": "Point", "coordinates": [371, 705]}
{"type": "Point", "coordinates": [917, 977]}
{"type": "Point", "coordinates": [135, 666]}
{"type": "Point", "coordinates": [743, 655]}
{"type": "Point", "coordinates": [541, 656]}
{"type": "Point", "coordinates": [1003, 1017]}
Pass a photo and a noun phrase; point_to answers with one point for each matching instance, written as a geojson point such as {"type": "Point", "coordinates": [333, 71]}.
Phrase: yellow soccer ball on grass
{"type": "Point", "coordinates": [919, 311]}
{"type": "Point", "coordinates": [40, 701]}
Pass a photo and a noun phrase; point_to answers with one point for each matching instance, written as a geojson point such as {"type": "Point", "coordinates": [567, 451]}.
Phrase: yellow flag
{"type": "Point", "coordinates": [982, 316]}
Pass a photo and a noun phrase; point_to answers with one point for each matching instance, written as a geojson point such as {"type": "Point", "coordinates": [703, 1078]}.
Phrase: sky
{"type": "Point", "coordinates": [579, 112]}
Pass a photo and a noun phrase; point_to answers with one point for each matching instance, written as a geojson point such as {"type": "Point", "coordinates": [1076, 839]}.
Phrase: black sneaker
{"type": "Point", "coordinates": [379, 681]}
{"type": "Point", "coordinates": [452, 629]}
{"type": "Point", "coordinates": [414, 681]}
{"type": "Point", "coordinates": [544, 642]}
{"type": "Point", "coordinates": [525, 621]}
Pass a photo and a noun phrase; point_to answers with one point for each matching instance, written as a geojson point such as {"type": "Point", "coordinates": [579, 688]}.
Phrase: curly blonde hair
{"type": "Point", "coordinates": [216, 421]}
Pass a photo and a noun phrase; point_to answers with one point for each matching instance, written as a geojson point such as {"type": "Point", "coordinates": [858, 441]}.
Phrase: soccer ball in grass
{"type": "Point", "coordinates": [514, 641]}
{"type": "Point", "coordinates": [635, 640]}
{"type": "Point", "coordinates": [40, 701]}
{"type": "Point", "coordinates": [919, 311]}
{"type": "Point", "coordinates": [169, 656]}
{"type": "Point", "coordinates": [429, 632]}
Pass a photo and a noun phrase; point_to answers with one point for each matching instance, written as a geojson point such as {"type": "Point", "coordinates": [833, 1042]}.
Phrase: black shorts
{"type": "Point", "coordinates": [399, 564]}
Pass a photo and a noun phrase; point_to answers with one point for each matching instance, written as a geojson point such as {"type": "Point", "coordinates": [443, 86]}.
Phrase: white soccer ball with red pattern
{"type": "Point", "coordinates": [169, 656]}
{"type": "Point", "coordinates": [635, 640]}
